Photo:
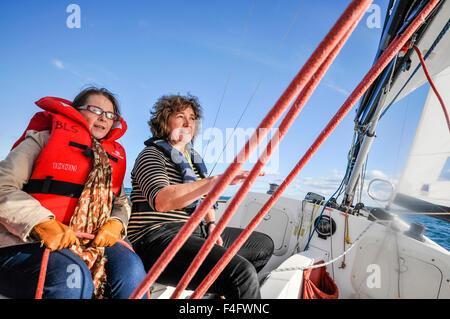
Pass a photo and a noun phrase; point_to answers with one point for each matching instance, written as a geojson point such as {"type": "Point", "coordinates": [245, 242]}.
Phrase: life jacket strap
{"type": "Point", "coordinates": [88, 151]}
{"type": "Point", "coordinates": [50, 186]}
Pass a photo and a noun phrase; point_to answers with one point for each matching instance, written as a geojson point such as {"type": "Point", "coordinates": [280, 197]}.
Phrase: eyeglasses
{"type": "Point", "coordinates": [99, 112]}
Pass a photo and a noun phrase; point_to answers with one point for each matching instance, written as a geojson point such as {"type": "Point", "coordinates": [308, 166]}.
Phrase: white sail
{"type": "Point", "coordinates": [426, 175]}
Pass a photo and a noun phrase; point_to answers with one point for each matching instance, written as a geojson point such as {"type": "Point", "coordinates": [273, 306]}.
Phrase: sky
{"type": "Point", "coordinates": [233, 55]}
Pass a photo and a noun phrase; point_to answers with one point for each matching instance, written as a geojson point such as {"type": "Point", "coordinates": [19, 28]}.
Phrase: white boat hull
{"type": "Point", "coordinates": [383, 263]}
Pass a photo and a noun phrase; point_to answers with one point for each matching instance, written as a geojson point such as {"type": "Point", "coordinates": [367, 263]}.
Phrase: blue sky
{"type": "Point", "coordinates": [141, 50]}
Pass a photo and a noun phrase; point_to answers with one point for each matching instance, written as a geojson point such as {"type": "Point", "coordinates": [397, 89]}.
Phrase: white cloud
{"type": "Point", "coordinates": [87, 72]}
{"type": "Point", "coordinates": [336, 87]}
{"type": "Point", "coordinates": [376, 174]}
{"type": "Point", "coordinates": [323, 185]}
{"type": "Point", "coordinates": [70, 69]}
{"type": "Point", "coordinates": [58, 63]}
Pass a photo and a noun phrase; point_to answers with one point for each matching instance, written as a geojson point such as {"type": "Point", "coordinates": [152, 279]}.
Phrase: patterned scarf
{"type": "Point", "coordinates": [91, 212]}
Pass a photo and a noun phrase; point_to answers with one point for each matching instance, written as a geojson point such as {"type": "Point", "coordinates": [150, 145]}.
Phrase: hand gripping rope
{"type": "Point", "coordinates": [355, 9]}
{"type": "Point", "coordinates": [46, 255]}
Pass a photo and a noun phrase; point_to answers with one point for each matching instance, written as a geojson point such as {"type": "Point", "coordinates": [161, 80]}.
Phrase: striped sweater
{"type": "Point", "coordinates": [152, 171]}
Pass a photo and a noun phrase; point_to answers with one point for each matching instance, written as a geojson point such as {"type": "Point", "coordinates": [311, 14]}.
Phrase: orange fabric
{"type": "Point", "coordinates": [318, 284]}
{"type": "Point", "coordinates": [65, 163]}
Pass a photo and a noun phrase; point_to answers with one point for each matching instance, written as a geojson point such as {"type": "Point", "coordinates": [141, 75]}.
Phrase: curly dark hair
{"type": "Point", "coordinates": [165, 107]}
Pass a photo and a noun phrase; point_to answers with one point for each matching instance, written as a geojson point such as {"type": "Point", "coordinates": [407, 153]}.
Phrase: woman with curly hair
{"type": "Point", "coordinates": [169, 180]}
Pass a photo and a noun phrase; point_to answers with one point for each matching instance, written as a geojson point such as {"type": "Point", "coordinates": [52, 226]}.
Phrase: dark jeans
{"type": "Point", "coordinates": [238, 280]}
{"type": "Point", "coordinates": [67, 275]}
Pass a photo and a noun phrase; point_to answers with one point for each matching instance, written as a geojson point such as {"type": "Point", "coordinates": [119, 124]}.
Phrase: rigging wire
{"type": "Point", "coordinates": [340, 188]}
{"type": "Point", "coordinates": [430, 50]}
{"type": "Point", "coordinates": [331, 243]}
{"type": "Point", "coordinates": [277, 270]}
{"type": "Point", "coordinates": [266, 70]}
{"type": "Point", "coordinates": [363, 178]}
{"type": "Point", "coordinates": [231, 71]}
{"type": "Point", "coordinates": [422, 63]}
{"type": "Point", "coordinates": [356, 143]}
{"type": "Point", "coordinates": [323, 209]}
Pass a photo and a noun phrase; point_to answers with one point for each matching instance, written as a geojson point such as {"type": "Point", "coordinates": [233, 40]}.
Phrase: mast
{"type": "Point", "coordinates": [367, 137]}
{"type": "Point", "coordinates": [378, 98]}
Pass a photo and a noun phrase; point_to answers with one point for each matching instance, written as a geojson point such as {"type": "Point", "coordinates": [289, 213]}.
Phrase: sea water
{"type": "Point", "coordinates": [437, 230]}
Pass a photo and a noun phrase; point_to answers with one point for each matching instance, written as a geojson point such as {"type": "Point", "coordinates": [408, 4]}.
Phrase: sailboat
{"type": "Point", "coordinates": [394, 260]}
{"type": "Point", "coordinates": [326, 249]}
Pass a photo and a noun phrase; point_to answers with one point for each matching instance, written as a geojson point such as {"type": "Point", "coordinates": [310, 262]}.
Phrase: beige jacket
{"type": "Point", "coordinates": [20, 212]}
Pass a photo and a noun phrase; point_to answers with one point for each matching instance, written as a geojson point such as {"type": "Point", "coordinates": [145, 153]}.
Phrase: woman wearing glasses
{"type": "Point", "coordinates": [64, 175]}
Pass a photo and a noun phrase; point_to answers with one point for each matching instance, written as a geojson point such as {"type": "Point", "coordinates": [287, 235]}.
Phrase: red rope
{"type": "Point", "coordinates": [304, 75]}
{"type": "Point", "coordinates": [283, 128]}
{"type": "Point", "coordinates": [46, 255]}
{"type": "Point", "coordinates": [370, 77]}
{"type": "Point", "coordinates": [42, 274]}
{"type": "Point", "coordinates": [427, 74]}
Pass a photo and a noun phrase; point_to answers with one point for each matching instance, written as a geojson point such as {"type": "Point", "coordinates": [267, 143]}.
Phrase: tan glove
{"type": "Point", "coordinates": [108, 234]}
{"type": "Point", "coordinates": [55, 235]}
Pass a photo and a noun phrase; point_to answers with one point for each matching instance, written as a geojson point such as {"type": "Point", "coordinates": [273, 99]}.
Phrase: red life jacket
{"type": "Point", "coordinates": [62, 167]}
